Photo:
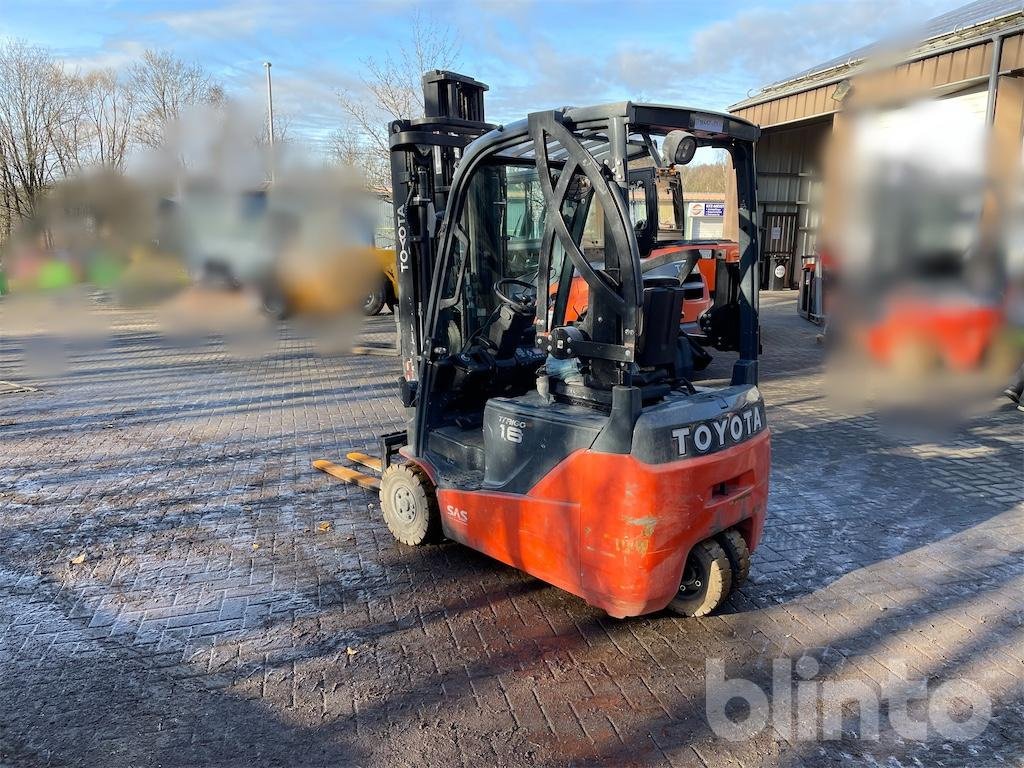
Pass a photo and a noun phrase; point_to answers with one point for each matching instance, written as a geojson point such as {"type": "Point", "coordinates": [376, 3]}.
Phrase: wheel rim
{"type": "Point", "coordinates": [369, 301]}
{"type": "Point", "coordinates": [404, 505]}
{"type": "Point", "coordinates": [693, 582]}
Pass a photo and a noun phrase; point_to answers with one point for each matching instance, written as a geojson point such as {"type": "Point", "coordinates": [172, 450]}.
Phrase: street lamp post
{"type": "Point", "coordinates": [270, 105]}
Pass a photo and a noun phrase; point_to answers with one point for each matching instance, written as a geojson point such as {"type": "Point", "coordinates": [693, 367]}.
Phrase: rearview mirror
{"type": "Point", "coordinates": [679, 147]}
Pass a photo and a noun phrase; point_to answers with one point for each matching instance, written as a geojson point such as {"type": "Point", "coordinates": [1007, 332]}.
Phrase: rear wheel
{"type": "Point", "coordinates": [374, 301]}
{"type": "Point", "coordinates": [409, 504]}
{"type": "Point", "coordinates": [736, 550]}
{"type": "Point", "coordinates": [274, 303]}
{"type": "Point", "coordinates": [707, 578]}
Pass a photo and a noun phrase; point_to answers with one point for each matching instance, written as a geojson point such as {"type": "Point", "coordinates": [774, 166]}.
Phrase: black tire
{"type": "Point", "coordinates": [275, 304]}
{"type": "Point", "coordinates": [373, 303]}
{"type": "Point", "coordinates": [736, 550]}
{"type": "Point", "coordinates": [707, 579]}
{"type": "Point", "coordinates": [409, 504]}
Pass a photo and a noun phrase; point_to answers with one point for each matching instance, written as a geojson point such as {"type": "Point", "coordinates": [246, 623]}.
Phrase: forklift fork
{"type": "Point", "coordinates": [389, 447]}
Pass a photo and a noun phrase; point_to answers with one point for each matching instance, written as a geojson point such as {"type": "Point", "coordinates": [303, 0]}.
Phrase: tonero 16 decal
{"type": "Point", "coordinates": [715, 434]}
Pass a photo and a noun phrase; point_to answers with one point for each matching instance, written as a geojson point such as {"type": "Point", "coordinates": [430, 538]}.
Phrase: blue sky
{"type": "Point", "coordinates": [532, 54]}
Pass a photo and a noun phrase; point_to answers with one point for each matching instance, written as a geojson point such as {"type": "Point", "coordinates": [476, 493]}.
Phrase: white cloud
{"type": "Point", "coordinates": [713, 66]}
{"type": "Point", "coordinates": [763, 45]}
{"type": "Point", "coordinates": [114, 54]}
{"type": "Point", "coordinates": [231, 20]}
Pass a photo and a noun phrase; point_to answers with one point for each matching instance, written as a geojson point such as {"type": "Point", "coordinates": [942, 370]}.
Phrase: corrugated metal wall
{"type": "Point", "coordinates": [963, 66]}
{"type": "Point", "coordinates": [798, 106]}
{"type": "Point", "coordinates": [789, 179]}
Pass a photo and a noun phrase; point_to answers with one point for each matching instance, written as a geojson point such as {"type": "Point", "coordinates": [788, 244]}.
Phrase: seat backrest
{"type": "Point", "coordinates": [662, 313]}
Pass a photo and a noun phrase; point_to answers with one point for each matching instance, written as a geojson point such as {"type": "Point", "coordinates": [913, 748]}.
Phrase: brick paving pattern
{"type": "Point", "coordinates": [216, 618]}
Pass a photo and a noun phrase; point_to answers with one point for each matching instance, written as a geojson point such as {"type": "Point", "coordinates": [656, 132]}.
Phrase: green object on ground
{"type": "Point", "coordinates": [104, 272]}
{"type": "Point", "coordinates": [55, 274]}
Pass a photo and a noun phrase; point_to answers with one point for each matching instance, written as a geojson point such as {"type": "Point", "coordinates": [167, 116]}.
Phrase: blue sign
{"type": "Point", "coordinates": [714, 209]}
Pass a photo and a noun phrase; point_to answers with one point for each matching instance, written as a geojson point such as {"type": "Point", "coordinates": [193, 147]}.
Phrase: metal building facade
{"type": "Point", "coordinates": [789, 190]}
{"type": "Point", "coordinates": [979, 47]}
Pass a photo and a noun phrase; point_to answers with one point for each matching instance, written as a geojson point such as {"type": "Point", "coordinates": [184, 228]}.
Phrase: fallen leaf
{"type": "Point", "coordinates": [351, 651]}
{"type": "Point", "coordinates": [324, 526]}
{"type": "Point", "coordinates": [255, 546]}
{"type": "Point", "coordinates": [78, 560]}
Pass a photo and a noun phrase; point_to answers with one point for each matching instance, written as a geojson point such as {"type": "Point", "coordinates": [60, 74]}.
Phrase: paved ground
{"type": "Point", "coordinates": [212, 620]}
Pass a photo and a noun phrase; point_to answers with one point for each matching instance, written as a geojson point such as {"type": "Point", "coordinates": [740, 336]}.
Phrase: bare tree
{"type": "Point", "coordinates": [70, 135]}
{"type": "Point", "coordinates": [392, 90]}
{"type": "Point", "coordinates": [55, 122]}
{"type": "Point", "coordinates": [705, 178]}
{"type": "Point", "coordinates": [109, 114]}
{"type": "Point", "coordinates": [39, 137]}
{"type": "Point", "coordinates": [349, 148]}
{"type": "Point", "coordinates": [163, 86]}
{"type": "Point", "coordinates": [282, 130]}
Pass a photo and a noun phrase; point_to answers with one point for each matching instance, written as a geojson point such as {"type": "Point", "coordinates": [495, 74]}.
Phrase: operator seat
{"type": "Point", "coordinates": [509, 331]}
{"type": "Point", "coordinates": [657, 352]}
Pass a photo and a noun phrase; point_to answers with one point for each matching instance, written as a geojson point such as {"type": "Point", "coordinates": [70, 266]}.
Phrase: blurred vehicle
{"type": "Point", "coordinates": [150, 277]}
{"type": "Point", "coordinates": [286, 244]}
{"type": "Point", "coordinates": [931, 288]}
{"type": "Point", "coordinates": [918, 311]}
{"type": "Point", "coordinates": [229, 239]}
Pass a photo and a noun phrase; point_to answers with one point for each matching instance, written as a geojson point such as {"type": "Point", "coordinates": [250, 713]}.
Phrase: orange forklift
{"type": "Point", "coordinates": [619, 481]}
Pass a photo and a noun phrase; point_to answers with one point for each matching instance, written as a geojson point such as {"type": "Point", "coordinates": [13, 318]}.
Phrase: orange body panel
{"type": "Point", "coordinates": [694, 308]}
{"type": "Point", "coordinates": [707, 267]}
{"type": "Point", "coordinates": [959, 334]}
{"type": "Point", "coordinates": [612, 529]}
{"type": "Point", "coordinates": [579, 295]}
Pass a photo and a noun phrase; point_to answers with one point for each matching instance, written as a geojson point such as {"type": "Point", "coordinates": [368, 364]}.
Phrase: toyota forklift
{"type": "Point", "coordinates": [576, 450]}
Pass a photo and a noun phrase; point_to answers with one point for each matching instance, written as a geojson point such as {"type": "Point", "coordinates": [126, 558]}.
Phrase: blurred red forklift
{"type": "Point", "coordinates": [626, 485]}
{"type": "Point", "coordinates": [929, 296]}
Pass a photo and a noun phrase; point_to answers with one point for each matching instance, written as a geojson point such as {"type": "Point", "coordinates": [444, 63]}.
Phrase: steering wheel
{"type": "Point", "coordinates": [525, 303]}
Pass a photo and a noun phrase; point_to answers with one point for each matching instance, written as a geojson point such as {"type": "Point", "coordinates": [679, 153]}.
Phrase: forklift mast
{"type": "Point", "coordinates": [424, 153]}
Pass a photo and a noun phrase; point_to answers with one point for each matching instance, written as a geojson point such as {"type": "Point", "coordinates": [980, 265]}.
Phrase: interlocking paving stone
{"type": "Point", "coordinates": [213, 622]}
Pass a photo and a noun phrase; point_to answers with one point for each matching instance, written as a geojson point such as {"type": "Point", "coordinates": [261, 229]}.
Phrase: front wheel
{"type": "Point", "coordinates": [707, 579]}
{"type": "Point", "coordinates": [409, 504]}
